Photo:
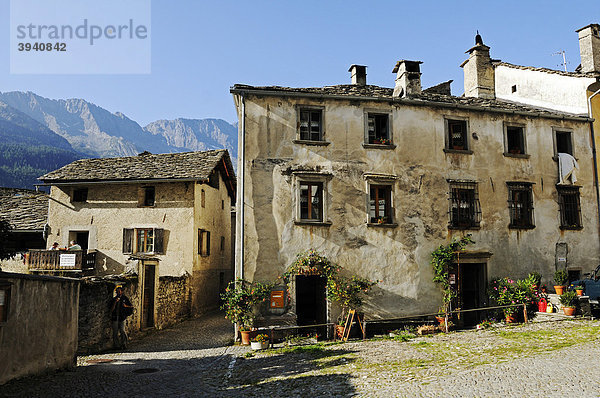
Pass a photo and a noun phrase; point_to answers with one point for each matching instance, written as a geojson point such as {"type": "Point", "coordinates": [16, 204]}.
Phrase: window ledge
{"type": "Point", "coordinates": [517, 155]}
{"type": "Point", "coordinates": [566, 227]}
{"type": "Point", "coordinates": [462, 151]}
{"type": "Point", "coordinates": [379, 146]}
{"type": "Point", "coordinates": [382, 225]}
{"type": "Point", "coordinates": [315, 223]}
{"type": "Point", "coordinates": [311, 142]}
{"type": "Point", "coordinates": [510, 226]}
{"type": "Point", "coordinates": [456, 227]}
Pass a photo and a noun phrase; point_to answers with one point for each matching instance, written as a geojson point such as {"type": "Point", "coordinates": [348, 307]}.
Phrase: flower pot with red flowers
{"type": "Point", "coordinates": [560, 278]}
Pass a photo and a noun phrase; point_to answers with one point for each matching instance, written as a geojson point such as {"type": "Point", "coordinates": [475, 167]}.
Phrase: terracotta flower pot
{"type": "Point", "coordinates": [247, 335]}
{"type": "Point", "coordinates": [579, 292]}
{"type": "Point", "coordinates": [559, 290]}
{"type": "Point", "coordinates": [511, 319]}
{"type": "Point", "coordinates": [569, 311]}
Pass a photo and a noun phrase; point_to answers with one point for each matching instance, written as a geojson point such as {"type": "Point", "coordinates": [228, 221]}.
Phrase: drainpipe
{"type": "Point", "coordinates": [239, 224]}
{"type": "Point", "coordinates": [594, 153]}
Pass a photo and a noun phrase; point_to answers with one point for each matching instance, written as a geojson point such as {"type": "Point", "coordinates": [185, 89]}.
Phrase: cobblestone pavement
{"type": "Point", "coordinates": [549, 359]}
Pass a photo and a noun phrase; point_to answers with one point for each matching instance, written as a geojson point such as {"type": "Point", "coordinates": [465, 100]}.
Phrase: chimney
{"type": "Point", "coordinates": [359, 74]}
{"type": "Point", "coordinates": [408, 78]}
{"type": "Point", "coordinates": [480, 80]}
{"type": "Point", "coordinates": [589, 48]}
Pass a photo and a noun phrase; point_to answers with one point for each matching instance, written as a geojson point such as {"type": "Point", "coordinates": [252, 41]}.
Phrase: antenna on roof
{"type": "Point", "coordinates": [564, 62]}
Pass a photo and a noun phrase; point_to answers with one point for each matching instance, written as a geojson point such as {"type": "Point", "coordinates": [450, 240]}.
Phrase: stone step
{"type": "Point", "coordinates": [554, 316]}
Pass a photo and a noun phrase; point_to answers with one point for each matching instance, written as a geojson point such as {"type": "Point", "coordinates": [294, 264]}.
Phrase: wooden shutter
{"type": "Point", "coordinates": [127, 241]}
{"type": "Point", "coordinates": [159, 240]}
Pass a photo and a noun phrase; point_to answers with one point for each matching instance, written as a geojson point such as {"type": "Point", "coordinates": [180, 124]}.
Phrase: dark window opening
{"type": "Point", "coordinates": [4, 301]}
{"type": "Point", "coordinates": [311, 125]}
{"type": "Point", "coordinates": [514, 88]}
{"type": "Point", "coordinates": [203, 242]}
{"type": "Point", "coordinates": [80, 195]}
{"type": "Point", "coordinates": [564, 143]}
{"type": "Point", "coordinates": [515, 142]}
{"type": "Point", "coordinates": [311, 201]}
{"type": "Point", "coordinates": [457, 134]}
{"type": "Point", "coordinates": [378, 129]}
{"type": "Point", "coordinates": [570, 208]}
{"type": "Point", "coordinates": [222, 243]}
{"type": "Point", "coordinates": [380, 204]}
{"type": "Point", "coordinates": [202, 198]}
{"type": "Point", "coordinates": [222, 205]}
{"type": "Point", "coordinates": [465, 210]}
{"type": "Point", "coordinates": [149, 196]}
{"type": "Point", "coordinates": [520, 204]}
{"type": "Point", "coordinates": [213, 179]}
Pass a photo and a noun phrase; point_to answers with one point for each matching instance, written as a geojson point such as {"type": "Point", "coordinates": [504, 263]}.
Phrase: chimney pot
{"type": "Point", "coordinates": [480, 76]}
{"type": "Point", "coordinates": [589, 48]}
{"type": "Point", "coordinates": [408, 78]}
{"type": "Point", "coordinates": [358, 74]}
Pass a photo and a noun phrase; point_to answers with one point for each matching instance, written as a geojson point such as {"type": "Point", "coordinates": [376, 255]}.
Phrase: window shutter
{"type": "Point", "coordinates": [159, 234]}
{"type": "Point", "coordinates": [127, 241]}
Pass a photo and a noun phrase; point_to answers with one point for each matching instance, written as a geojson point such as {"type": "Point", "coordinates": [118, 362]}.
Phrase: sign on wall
{"type": "Point", "coordinates": [67, 260]}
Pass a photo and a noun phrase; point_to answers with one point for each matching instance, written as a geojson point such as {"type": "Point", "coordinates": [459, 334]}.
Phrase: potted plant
{"type": "Point", "coordinates": [239, 300]}
{"type": "Point", "coordinates": [560, 278]}
{"type": "Point", "coordinates": [349, 292]}
{"type": "Point", "coordinates": [579, 290]}
{"type": "Point", "coordinates": [569, 300]}
{"type": "Point", "coordinates": [536, 279]}
{"type": "Point", "coordinates": [506, 291]}
{"type": "Point", "coordinates": [259, 342]}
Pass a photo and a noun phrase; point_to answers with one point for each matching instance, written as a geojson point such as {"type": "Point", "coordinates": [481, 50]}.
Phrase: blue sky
{"type": "Point", "coordinates": [201, 48]}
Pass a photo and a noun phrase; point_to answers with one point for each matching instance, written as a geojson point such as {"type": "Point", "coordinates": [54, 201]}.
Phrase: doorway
{"type": "Point", "coordinates": [148, 295]}
{"type": "Point", "coordinates": [81, 237]}
{"type": "Point", "coordinates": [470, 286]}
{"type": "Point", "coordinates": [311, 304]}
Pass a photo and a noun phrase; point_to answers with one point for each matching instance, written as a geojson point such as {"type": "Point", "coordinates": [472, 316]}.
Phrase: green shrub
{"type": "Point", "coordinates": [561, 277]}
{"type": "Point", "coordinates": [569, 299]}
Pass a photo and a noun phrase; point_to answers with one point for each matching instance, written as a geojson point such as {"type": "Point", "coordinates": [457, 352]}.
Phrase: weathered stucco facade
{"type": "Point", "coordinates": [419, 167]}
{"type": "Point", "coordinates": [152, 227]}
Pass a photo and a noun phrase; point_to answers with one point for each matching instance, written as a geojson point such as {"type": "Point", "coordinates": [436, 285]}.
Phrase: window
{"type": "Point", "coordinates": [203, 242]}
{"type": "Point", "coordinates": [513, 88]}
{"type": "Point", "coordinates": [378, 129]}
{"type": "Point", "coordinates": [222, 243]}
{"type": "Point", "coordinates": [149, 196]}
{"type": "Point", "coordinates": [380, 204]}
{"type": "Point", "coordinates": [222, 205]}
{"type": "Point", "coordinates": [520, 205]}
{"type": "Point", "coordinates": [569, 206]}
{"type": "Point", "coordinates": [311, 201]}
{"type": "Point", "coordinates": [311, 124]}
{"type": "Point", "coordinates": [456, 134]}
{"type": "Point", "coordinates": [4, 300]}
{"type": "Point", "coordinates": [465, 211]}
{"type": "Point", "coordinates": [514, 140]}
{"type": "Point", "coordinates": [202, 198]}
{"type": "Point", "coordinates": [563, 142]}
{"type": "Point", "coordinates": [143, 240]}
{"type": "Point", "coordinates": [80, 195]}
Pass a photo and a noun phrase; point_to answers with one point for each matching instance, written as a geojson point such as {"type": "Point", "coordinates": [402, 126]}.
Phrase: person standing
{"type": "Point", "coordinates": [120, 309]}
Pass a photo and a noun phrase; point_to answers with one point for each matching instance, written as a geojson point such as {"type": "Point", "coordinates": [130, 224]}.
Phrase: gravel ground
{"type": "Point", "coordinates": [548, 359]}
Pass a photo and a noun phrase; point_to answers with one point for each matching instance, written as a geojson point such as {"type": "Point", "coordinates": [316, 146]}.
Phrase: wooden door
{"type": "Point", "coordinates": [148, 296]}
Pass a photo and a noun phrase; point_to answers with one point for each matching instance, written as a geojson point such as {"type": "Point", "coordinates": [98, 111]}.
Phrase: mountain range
{"type": "Point", "coordinates": [38, 135]}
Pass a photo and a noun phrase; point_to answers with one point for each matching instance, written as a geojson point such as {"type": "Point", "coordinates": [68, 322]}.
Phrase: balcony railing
{"type": "Point", "coordinates": [58, 261]}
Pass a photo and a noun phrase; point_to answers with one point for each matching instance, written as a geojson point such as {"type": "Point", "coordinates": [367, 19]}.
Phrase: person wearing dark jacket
{"type": "Point", "coordinates": [120, 309]}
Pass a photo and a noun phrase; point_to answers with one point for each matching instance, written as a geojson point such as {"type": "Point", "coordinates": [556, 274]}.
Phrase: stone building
{"type": "Point", "coordinates": [375, 178]}
{"type": "Point", "coordinates": [165, 218]}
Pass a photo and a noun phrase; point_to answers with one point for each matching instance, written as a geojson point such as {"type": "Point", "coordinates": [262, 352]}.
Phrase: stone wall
{"type": "Point", "coordinates": [173, 300]}
{"type": "Point", "coordinates": [40, 331]}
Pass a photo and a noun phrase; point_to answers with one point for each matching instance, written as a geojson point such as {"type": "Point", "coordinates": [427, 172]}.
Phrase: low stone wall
{"type": "Point", "coordinates": [173, 300]}
{"type": "Point", "coordinates": [40, 331]}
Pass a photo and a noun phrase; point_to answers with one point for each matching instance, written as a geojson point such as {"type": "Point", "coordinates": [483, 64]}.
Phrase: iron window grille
{"type": "Point", "coordinates": [311, 126]}
{"type": "Point", "coordinates": [520, 205]}
{"type": "Point", "coordinates": [378, 131]}
{"type": "Point", "coordinates": [311, 201]}
{"type": "Point", "coordinates": [457, 134]}
{"type": "Point", "coordinates": [380, 204]}
{"type": "Point", "coordinates": [464, 207]}
{"type": "Point", "coordinates": [569, 207]}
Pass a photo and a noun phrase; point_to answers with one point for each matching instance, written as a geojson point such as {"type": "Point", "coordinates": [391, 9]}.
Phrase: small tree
{"type": "Point", "coordinates": [6, 252]}
{"type": "Point", "coordinates": [239, 300]}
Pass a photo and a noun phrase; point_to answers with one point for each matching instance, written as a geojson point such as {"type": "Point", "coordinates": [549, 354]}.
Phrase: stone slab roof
{"type": "Point", "coordinates": [25, 210]}
{"type": "Point", "coordinates": [547, 70]}
{"type": "Point", "coordinates": [425, 98]}
{"type": "Point", "coordinates": [146, 166]}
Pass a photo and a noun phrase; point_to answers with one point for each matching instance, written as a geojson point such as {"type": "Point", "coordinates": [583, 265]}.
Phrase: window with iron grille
{"type": "Point", "coordinates": [457, 135]}
{"type": "Point", "coordinates": [311, 201]}
{"type": "Point", "coordinates": [569, 206]}
{"type": "Point", "coordinates": [520, 205]}
{"type": "Point", "coordinates": [311, 126]}
{"type": "Point", "coordinates": [378, 131]}
{"type": "Point", "coordinates": [380, 204]}
{"type": "Point", "coordinates": [465, 210]}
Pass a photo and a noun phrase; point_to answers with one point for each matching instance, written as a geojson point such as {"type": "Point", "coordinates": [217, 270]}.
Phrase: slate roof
{"type": "Point", "coordinates": [195, 166]}
{"type": "Point", "coordinates": [547, 70]}
{"type": "Point", "coordinates": [368, 92]}
{"type": "Point", "coordinates": [25, 210]}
